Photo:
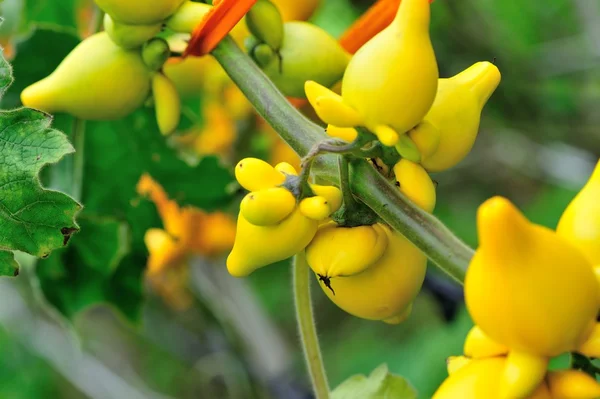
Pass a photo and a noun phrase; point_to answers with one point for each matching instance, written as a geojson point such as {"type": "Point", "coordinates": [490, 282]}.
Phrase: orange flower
{"type": "Point", "coordinates": [187, 230]}
{"type": "Point", "coordinates": [377, 18]}
{"type": "Point", "coordinates": [216, 24]}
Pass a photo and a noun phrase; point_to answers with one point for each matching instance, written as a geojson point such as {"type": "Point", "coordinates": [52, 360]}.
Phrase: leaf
{"type": "Point", "coordinates": [62, 13]}
{"type": "Point", "coordinates": [32, 219]}
{"type": "Point", "coordinates": [379, 385]}
{"type": "Point", "coordinates": [6, 76]}
{"type": "Point", "coordinates": [102, 243]}
{"type": "Point", "coordinates": [8, 265]}
{"type": "Point", "coordinates": [82, 274]}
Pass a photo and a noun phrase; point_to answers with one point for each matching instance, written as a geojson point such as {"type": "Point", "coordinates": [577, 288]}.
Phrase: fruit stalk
{"type": "Point", "coordinates": [307, 329]}
{"type": "Point", "coordinates": [424, 230]}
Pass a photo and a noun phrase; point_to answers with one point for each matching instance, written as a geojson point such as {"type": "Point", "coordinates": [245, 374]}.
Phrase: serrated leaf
{"type": "Point", "coordinates": [380, 384]}
{"type": "Point", "coordinates": [32, 219]}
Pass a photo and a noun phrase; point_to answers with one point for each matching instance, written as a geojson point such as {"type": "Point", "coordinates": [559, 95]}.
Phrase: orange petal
{"type": "Point", "coordinates": [376, 19]}
{"type": "Point", "coordinates": [216, 24]}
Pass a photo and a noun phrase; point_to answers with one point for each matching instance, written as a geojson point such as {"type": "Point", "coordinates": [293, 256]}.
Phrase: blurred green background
{"type": "Point", "coordinates": [538, 143]}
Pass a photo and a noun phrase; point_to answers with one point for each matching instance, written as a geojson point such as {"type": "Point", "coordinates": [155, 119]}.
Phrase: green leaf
{"type": "Point", "coordinates": [62, 12]}
{"type": "Point", "coordinates": [381, 384]}
{"type": "Point", "coordinates": [8, 265]}
{"type": "Point", "coordinates": [32, 219]}
{"type": "Point", "coordinates": [82, 274]}
{"type": "Point", "coordinates": [102, 243]}
{"type": "Point", "coordinates": [6, 76]}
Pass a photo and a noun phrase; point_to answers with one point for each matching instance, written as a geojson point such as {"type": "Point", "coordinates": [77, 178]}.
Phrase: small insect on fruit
{"type": "Point", "coordinates": [327, 281]}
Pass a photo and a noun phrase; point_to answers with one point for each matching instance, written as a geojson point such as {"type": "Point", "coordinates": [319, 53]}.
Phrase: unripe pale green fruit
{"type": "Point", "coordinates": [98, 80]}
{"type": "Point", "coordinates": [307, 53]}
{"type": "Point", "coordinates": [263, 55]}
{"type": "Point", "coordinates": [139, 12]}
{"type": "Point", "coordinates": [130, 36]}
{"type": "Point", "coordinates": [265, 23]}
{"type": "Point", "coordinates": [166, 102]}
{"type": "Point", "coordinates": [188, 16]}
{"type": "Point", "coordinates": [155, 53]}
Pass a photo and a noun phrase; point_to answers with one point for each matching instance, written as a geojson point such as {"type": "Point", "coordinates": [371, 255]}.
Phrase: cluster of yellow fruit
{"type": "Point", "coordinates": [391, 86]}
{"type": "Point", "coordinates": [547, 298]}
{"type": "Point", "coordinates": [369, 271]}
{"type": "Point", "coordinates": [275, 223]}
{"type": "Point", "coordinates": [112, 73]}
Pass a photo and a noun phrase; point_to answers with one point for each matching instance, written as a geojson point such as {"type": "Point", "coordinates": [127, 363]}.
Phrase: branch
{"type": "Point", "coordinates": [423, 229]}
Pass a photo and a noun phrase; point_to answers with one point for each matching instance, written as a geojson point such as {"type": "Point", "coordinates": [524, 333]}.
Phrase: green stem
{"type": "Point", "coordinates": [78, 139]}
{"type": "Point", "coordinates": [294, 128]}
{"type": "Point", "coordinates": [349, 201]}
{"type": "Point", "coordinates": [306, 327]}
{"type": "Point", "coordinates": [424, 230]}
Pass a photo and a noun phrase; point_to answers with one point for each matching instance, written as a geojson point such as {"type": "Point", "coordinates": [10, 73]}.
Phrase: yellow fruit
{"type": "Point", "coordinates": [294, 10]}
{"type": "Point", "coordinates": [543, 271]}
{"type": "Point", "coordinates": [332, 194]}
{"type": "Point", "coordinates": [480, 379]}
{"type": "Point", "coordinates": [572, 384]}
{"type": "Point", "coordinates": [455, 363]}
{"type": "Point", "coordinates": [348, 134]}
{"type": "Point", "coordinates": [414, 182]}
{"type": "Point", "coordinates": [139, 12]}
{"type": "Point", "coordinates": [268, 207]}
{"type": "Point", "coordinates": [286, 168]}
{"type": "Point", "coordinates": [381, 89]}
{"type": "Point", "coordinates": [580, 223]}
{"type": "Point", "coordinates": [307, 53]}
{"type": "Point", "coordinates": [187, 17]}
{"type": "Point", "coordinates": [254, 174]}
{"type": "Point", "coordinates": [552, 299]}
{"type": "Point", "coordinates": [166, 102]}
{"type": "Point", "coordinates": [98, 80]}
{"type": "Point", "coordinates": [130, 36]}
{"type": "Point", "coordinates": [591, 347]}
{"type": "Point", "coordinates": [386, 289]}
{"type": "Point", "coordinates": [448, 131]}
{"type": "Point", "coordinates": [345, 251]}
{"type": "Point", "coordinates": [478, 345]}
{"type": "Point", "coordinates": [315, 208]}
{"type": "Point", "coordinates": [258, 246]}
{"type": "Point", "coordinates": [522, 373]}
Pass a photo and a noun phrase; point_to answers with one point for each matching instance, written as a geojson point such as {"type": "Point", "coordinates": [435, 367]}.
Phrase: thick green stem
{"type": "Point", "coordinates": [306, 327]}
{"type": "Point", "coordinates": [295, 129]}
{"type": "Point", "coordinates": [424, 230]}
